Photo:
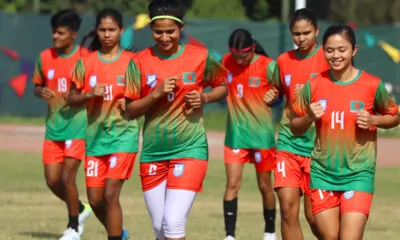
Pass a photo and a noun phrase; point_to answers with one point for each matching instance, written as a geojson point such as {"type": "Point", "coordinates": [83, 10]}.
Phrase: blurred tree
{"type": "Point", "coordinates": [256, 10]}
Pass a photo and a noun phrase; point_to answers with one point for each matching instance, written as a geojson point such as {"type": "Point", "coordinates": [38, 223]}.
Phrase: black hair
{"type": "Point", "coordinates": [341, 29]}
{"type": "Point", "coordinates": [241, 39]}
{"type": "Point", "coordinates": [303, 14]}
{"type": "Point", "coordinates": [66, 18]}
{"type": "Point", "coordinates": [166, 7]}
{"type": "Point", "coordinates": [91, 40]}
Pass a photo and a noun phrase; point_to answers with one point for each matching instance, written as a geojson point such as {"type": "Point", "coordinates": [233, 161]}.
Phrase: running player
{"type": "Point", "coordinates": [344, 102]}
{"type": "Point", "coordinates": [111, 139]}
{"type": "Point", "coordinates": [292, 170]}
{"type": "Point", "coordinates": [64, 145]}
{"type": "Point", "coordinates": [250, 136]}
{"type": "Point", "coordinates": [165, 84]}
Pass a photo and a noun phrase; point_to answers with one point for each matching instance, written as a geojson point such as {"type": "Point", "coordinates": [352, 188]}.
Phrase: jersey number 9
{"type": "Point", "coordinates": [62, 85]}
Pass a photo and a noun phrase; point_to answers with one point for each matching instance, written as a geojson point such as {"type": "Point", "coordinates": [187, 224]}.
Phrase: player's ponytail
{"type": "Point", "coordinates": [241, 40]}
{"type": "Point", "coordinates": [91, 40]}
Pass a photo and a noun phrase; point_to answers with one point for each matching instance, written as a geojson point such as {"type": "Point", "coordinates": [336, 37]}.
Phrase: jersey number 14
{"type": "Point", "coordinates": [337, 120]}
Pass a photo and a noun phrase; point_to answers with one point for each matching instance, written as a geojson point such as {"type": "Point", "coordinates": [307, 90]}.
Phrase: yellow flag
{"type": "Point", "coordinates": [393, 52]}
{"type": "Point", "coordinates": [142, 20]}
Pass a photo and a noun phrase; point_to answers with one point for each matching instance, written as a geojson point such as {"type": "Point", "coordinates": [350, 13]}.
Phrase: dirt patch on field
{"type": "Point", "coordinates": [30, 139]}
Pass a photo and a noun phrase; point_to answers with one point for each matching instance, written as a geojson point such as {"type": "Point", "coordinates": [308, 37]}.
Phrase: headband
{"type": "Point", "coordinates": [242, 50]}
{"type": "Point", "coordinates": [167, 17]}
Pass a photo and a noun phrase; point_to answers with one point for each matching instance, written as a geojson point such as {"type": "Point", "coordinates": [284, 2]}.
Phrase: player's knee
{"type": "Point", "coordinates": [158, 231]}
{"type": "Point", "coordinates": [266, 188]}
{"type": "Point", "coordinates": [111, 196]}
{"type": "Point", "coordinates": [68, 177]}
{"type": "Point", "coordinates": [289, 211]}
{"type": "Point", "coordinates": [53, 182]}
{"type": "Point", "coordinates": [95, 200]}
{"type": "Point", "coordinates": [233, 185]}
{"type": "Point", "coordinates": [174, 226]}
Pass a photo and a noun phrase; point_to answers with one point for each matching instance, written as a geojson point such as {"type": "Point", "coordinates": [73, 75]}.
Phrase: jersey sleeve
{"type": "Point", "coordinates": [274, 76]}
{"type": "Point", "coordinates": [300, 105]}
{"type": "Point", "coordinates": [384, 103]}
{"type": "Point", "coordinates": [38, 76]}
{"type": "Point", "coordinates": [84, 52]}
{"type": "Point", "coordinates": [215, 73]}
{"type": "Point", "coordinates": [133, 81]}
{"type": "Point", "coordinates": [78, 75]}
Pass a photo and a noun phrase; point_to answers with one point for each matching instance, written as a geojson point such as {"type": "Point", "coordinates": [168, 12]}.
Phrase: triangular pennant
{"type": "Point", "coordinates": [216, 55]}
{"type": "Point", "coordinates": [370, 40]}
{"type": "Point", "coordinates": [18, 83]}
{"type": "Point", "coordinates": [11, 53]}
{"type": "Point", "coordinates": [393, 52]}
{"type": "Point", "coordinates": [353, 25]}
{"type": "Point", "coordinates": [26, 66]}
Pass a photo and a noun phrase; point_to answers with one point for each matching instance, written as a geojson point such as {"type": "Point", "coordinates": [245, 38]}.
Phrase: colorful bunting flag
{"type": "Point", "coordinates": [19, 83]}
{"type": "Point", "coordinates": [370, 40]}
{"type": "Point", "coordinates": [27, 66]}
{"type": "Point", "coordinates": [11, 53]}
{"type": "Point", "coordinates": [393, 52]}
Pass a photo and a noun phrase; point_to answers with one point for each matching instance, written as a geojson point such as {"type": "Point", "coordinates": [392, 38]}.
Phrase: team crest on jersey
{"type": "Point", "coordinates": [288, 78]}
{"type": "Point", "coordinates": [93, 81]}
{"type": "Point", "coordinates": [113, 161]}
{"type": "Point", "coordinates": [254, 82]}
{"type": "Point", "coordinates": [236, 150]}
{"type": "Point", "coordinates": [189, 78]}
{"type": "Point", "coordinates": [323, 103]}
{"type": "Point", "coordinates": [356, 106]}
{"type": "Point", "coordinates": [179, 169]}
{"type": "Point", "coordinates": [68, 144]}
{"type": "Point", "coordinates": [121, 80]}
{"type": "Point", "coordinates": [257, 157]}
{"type": "Point", "coordinates": [50, 74]}
{"type": "Point", "coordinates": [230, 77]}
{"type": "Point", "coordinates": [151, 80]}
{"type": "Point", "coordinates": [348, 194]}
{"type": "Point", "coordinates": [313, 74]}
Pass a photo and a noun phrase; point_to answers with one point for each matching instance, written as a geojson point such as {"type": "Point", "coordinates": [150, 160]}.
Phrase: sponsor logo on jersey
{"type": "Point", "coordinates": [189, 78]}
{"type": "Point", "coordinates": [179, 169]}
{"type": "Point", "coordinates": [288, 78]}
{"type": "Point", "coordinates": [236, 150]}
{"type": "Point", "coordinates": [356, 106]}
{"type": "Point", "coordinates": [255, 81]}
{"type": "Point", "coordinates": [230, 77]}
{"type": "Point", "coordinates": [93, 81]}
{"type": "Point", "coordinates": [50, 74]}
{"type": "Point", "coordinates": [151, 80]}
{"type": "Point", "coordinates": [113, 161]}
{"type": "Point", "coordinates": [323, 103]}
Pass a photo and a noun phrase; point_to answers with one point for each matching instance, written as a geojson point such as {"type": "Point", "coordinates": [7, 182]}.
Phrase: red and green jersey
{"type": "Point", "coordinates": [54, 71]}
{"type": "Point", "coordinates": [170, 131]}
{"type": "Point", "coordinates": [344, 155]}
{"type": "Point", "coordinates": [249, 122]}
{"type": "Point", "coordinates": [293, 70]}
{"type": "Point", "coordinates": [108, 131]}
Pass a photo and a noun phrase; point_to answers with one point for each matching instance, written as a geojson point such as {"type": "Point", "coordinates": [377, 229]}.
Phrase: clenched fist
{"type": "Point", "coordinates": [315, 111]}
{"type": "Point", "coordinates": [364, 120]}
{"type": "Point", "coordinates": [271, 95]}
{"type": "Point", "coordinates": [194, 99]}
{"type": "Point", "coordinates": [97, 91]}
{"type": "Point", "coordinates": [167, 86]}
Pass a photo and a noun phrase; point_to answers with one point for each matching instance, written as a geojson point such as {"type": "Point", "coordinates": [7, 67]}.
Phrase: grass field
{"type": "Point", "coordinates": [29, 211]}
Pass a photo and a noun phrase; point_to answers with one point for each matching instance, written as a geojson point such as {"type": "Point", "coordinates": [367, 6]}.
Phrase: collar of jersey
{"type": "Point", "coordinates": [69, 54]}
{"type": "Point", "coordinates": [309, 55]}
{"type": "Point", "coordinates": [345, 83]}
{"type": "Point", "coordinates": [109, 61]}
{"type": "Point", "coordinates": [256, 56]}
{"type": "Point", "coordinates": [171, 56]}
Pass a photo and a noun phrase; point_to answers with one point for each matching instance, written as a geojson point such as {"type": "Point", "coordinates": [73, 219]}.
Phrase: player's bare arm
{"type": "Point", "coordinates": [300, 125]}
{"type": "Point", "coordinates": [43, 92]}
{"type": "Point", "coordinates": [77, 98]}
{"type": "Point", "coordinates": [365, 120]}
{"type": "Point", "coordinates": [136, 109]}
{"type": "Point", "coordinates": [271, 95]}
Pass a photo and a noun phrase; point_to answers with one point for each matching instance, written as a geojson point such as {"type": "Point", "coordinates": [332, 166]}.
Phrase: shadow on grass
{"type": "Point", "coordinates": [41, 235]}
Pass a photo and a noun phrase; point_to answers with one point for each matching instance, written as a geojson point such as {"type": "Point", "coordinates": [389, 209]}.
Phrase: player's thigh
{"type": "Point", "coordinates": [263, 159]}
{"type": "Point", "coordinates": [186, 174]}
{"type": "Point", "coordinates": [75, 149]}
{"type": "Point", "coordinates": [96, 171]}
{"type": "Point", "coordinates": [153, 174]}
{"type": "Point", "coordinates": [53, 152]}
{"type": "Point", "coordinates": [120, 165]}
{"type": "Point", "coordinates": [327, 222]}
{"type": "Point", "coordinates": [354, 209]}
{"type": "Point", "coordinates": [287, 172]}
